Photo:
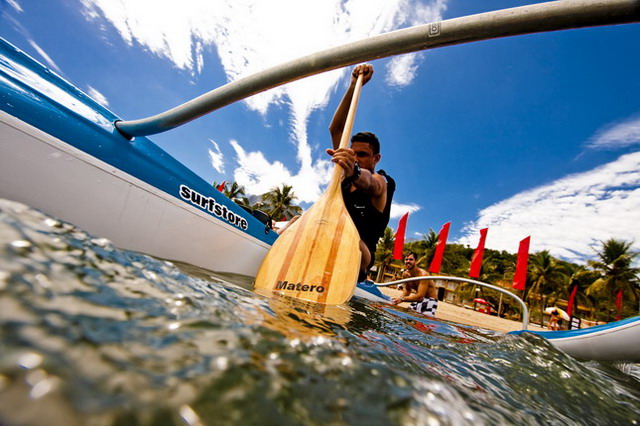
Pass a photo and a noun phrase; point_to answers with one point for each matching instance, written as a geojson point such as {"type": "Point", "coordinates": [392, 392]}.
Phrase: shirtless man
{"type": "Point", "coordinates": [424, 297]}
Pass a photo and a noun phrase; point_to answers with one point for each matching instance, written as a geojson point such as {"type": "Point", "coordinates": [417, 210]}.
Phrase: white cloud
{"type": "Point", "coordinates": [619, 135]}
{"type": "Point", "coordinates": [401, 70]}
{"type": "Point", "coordinates": [568, 217]}
{"type": "Point", "coordinates": [45, 56]}
{"type": "Point", "coordinates": [15, 5]}
{"type": "Point", "coordinates": [397, 210]}
{"type": "Point", "coordinates": [252, 35]}
{"type": "Point", "coordinates": [216, 157]}
{"type": "Point", "coordinates": [99, 97]}
{"type": "Point", "coordinates": [163, 27]}
{"type": "Point", "coordinates": [258, 175]}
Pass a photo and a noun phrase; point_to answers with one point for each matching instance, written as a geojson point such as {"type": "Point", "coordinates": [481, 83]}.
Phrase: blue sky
{"type": "Point", "coordinates": [534, 135]}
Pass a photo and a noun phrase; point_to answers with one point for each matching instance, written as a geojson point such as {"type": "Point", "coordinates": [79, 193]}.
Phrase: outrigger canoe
{"type": "Point", "coordinates": [60, 153]}
{"type": "Point", "coordinates": [65, 154]}
{"type": "Point", "coordinates": [615, 341]}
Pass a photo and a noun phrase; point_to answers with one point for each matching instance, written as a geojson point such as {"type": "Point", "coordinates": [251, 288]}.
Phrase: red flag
{"type": "Point", "coordinates": [619, 305]}
{"type": "Point", "coordinates": [398, 245]}
{"type": "Point", "coordinates": [520, 277]}
{"type": "Point", "coordinates": [222, 185]}
{"type": "Point", "coordinates": [442, 241]}
{"type": "Point", "coordinates": [572, 298]}
{"type": "Point", "coordinates": [476, 259]}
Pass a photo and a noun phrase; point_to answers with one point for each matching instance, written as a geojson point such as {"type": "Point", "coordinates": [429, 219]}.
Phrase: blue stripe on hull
{"type": "Point", "coordinates": [564, 334]}
{"type": "Point", "coordinates": [32, 93]}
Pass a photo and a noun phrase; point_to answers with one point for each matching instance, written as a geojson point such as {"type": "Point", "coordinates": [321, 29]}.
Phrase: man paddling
{"type": "Point", "coordinates": [421, 294]}
{"type": "Point", "coordinates": [367, 194]}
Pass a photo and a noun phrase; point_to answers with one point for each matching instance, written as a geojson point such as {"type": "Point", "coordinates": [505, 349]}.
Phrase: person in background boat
{"type": "Point", "coordinates": [421, 294]}
{"type": "Point", "coordinates": [369, 278]}
{"type": "Point", "coordinates": [367, 194]}
{"type": "Point", "coordinates": [553, 320]}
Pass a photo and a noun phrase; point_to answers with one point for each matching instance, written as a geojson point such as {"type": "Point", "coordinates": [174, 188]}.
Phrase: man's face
{"type": "Point", "coordinates": [410, 261]}
{"type": "Point", "coordinates": [365, 156]}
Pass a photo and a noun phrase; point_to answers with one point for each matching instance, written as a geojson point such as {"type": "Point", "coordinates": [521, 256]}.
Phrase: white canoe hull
{"type": "Point", "coordinates": [53, 176]}
{"type": "Point", "coordinates": [616, 341]}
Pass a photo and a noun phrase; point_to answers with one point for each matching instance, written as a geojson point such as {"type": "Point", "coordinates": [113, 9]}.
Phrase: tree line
{"type": "Point", "coordinates": [549, 279]}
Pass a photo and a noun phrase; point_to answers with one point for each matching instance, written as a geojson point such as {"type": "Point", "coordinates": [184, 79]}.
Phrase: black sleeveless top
{"type": "Point", "coordinates": [370, 222]}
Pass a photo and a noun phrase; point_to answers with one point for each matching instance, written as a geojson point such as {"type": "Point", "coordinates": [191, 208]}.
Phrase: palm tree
{"type": "Point", "coordinates": [424, 248]}
{"type": "Point", "coordinates": [384, 252]}
{"type": "Point", "coordinates": [545, 273]}
{"type": "Point", "coordinates": [582, 277]}
{"type": "Point", "coordinates": [488, 274]}
{"type": "Point", "coordinates": [547, 276]}
{"type": "Point", "coordinates": [234, 191]}
{"type": "Point", "coordinates": [279, 203]}
{"type": "Point", "coordinates": [457, 259]}
{"type": "Point", "coordinates": [231, 191]}
{"type": "Point", "coordinates": [615, 265]}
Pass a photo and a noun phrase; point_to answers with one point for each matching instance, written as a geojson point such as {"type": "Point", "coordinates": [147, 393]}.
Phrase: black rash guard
{"type": "Point", "coordinates": [370, 222]}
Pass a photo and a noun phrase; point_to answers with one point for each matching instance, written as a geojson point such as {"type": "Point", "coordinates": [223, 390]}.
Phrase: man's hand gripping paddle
{"type": "Point", "coordinates": [317, 258]}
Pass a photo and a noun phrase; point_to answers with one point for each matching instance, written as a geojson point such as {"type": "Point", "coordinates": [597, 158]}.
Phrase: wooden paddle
{"type": "Point", "coordinates": [318, 257]}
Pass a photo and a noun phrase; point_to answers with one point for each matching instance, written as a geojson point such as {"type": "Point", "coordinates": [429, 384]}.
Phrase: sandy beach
{"type": "Point", "coordinates": [460, 315]}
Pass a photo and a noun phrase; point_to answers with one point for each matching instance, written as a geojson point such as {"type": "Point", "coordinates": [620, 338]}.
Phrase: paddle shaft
{"type": "Point", "coordinates": [317, 258]}
{"type": "Point", "coordinates": [338, 172]}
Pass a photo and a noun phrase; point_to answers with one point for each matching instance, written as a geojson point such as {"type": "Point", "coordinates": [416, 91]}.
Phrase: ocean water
{"type": "Point", "coordinates": [94, 335]}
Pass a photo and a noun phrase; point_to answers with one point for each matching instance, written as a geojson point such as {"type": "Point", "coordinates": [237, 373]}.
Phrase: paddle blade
{"type": "Point", "coordinates": [315, 259]}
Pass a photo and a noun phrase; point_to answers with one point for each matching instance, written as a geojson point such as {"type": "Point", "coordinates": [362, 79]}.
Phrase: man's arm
{"type": "Point", "coordinates": [406, 291]}
{"type": "Point", "coordinates": [404, 297]}
{"type": "Point", "coordinates": [420, 294]}
{"type": "Point", "coordinates": [423, 287]}
{"type": "Point", "coordinates": [340, 116]}
{"type": "Point", "coordinates": [371, 183]}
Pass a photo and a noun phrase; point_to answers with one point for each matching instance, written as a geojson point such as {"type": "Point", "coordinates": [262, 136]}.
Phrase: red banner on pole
{"type": "Point", "coordinates": [398, 245]}
{"type": "Point", "coordinates": [520, 277]}
{"type": "Point", "coordinates": [222, 185]}
{"type": "Point", "coordinates": [572, 298]}
{"type": "Point", "coordinates": [476, 259]}
{"type": "Point", "coordinates": [619, 305]}
{"type": "Point", "coordinates": [442, 241]}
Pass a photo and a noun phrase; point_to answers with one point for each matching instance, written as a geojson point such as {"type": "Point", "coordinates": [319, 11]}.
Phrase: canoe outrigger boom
{"type": "Point", "coordinates": [537, 18]}
{"type": "Point", "coordinates": [525, 310]}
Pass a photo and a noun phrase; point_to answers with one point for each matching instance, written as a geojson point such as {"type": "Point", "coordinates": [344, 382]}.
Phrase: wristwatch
{"type": "Point", "coordinates": [356, 174]}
